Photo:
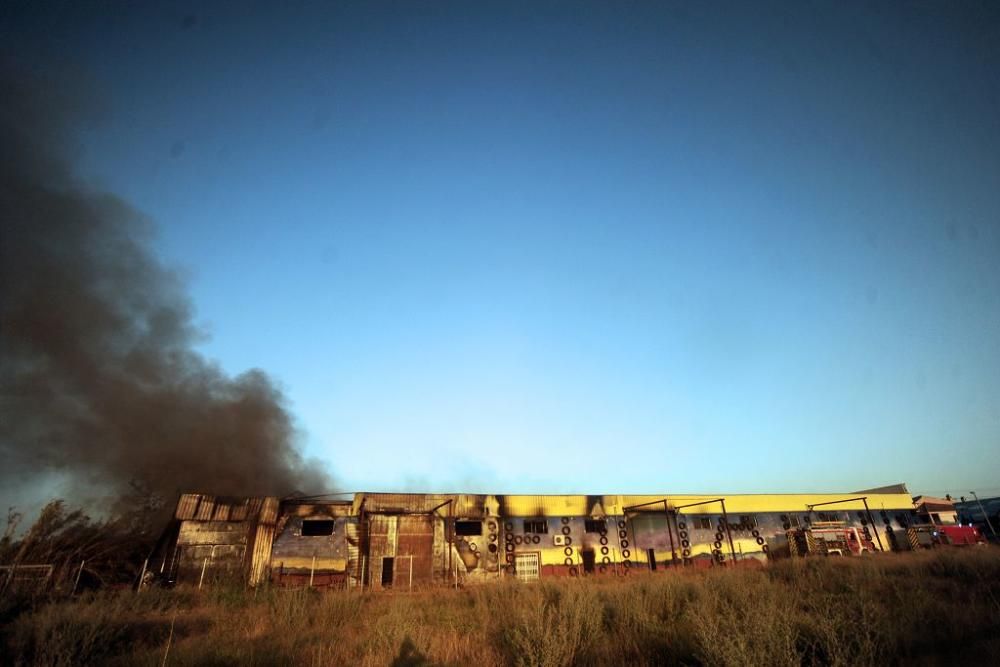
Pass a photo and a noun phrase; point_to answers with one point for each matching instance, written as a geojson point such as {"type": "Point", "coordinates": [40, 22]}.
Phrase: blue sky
{"type": "Point", "coordinates": [577, 246]}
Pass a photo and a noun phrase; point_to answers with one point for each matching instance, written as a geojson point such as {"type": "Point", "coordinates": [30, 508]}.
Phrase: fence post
{"type": "Point", "coordinates": [170, 638]}
{"type": "Point", "coordinates": [204, 564]}
{"type": "Point", "coordinates": [76, 582]}
{"type": "Point", "coordinates": [142, 575]}
{"type": "Point", "coordinates": [312, 571]}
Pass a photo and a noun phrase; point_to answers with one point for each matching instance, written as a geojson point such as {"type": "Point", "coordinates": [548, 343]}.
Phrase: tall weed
{"type": "Point", "coordinates": [925, 608]}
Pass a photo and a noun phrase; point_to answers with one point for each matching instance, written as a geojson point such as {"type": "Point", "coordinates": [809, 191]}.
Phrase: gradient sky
{"type": "Point", "coordinates": [591, 247]}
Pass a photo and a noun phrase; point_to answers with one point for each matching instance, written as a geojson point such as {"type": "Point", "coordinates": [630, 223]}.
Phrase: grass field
{"type": "Point", "coordinates": [939, 607]}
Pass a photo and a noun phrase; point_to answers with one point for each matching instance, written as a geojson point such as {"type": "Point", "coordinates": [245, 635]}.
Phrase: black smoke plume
{"type": "Point", "coordinates": [100, 381]}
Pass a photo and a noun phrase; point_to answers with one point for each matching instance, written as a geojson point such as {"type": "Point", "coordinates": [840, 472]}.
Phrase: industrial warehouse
{"type": "Point", "coordinates": [384, 540]}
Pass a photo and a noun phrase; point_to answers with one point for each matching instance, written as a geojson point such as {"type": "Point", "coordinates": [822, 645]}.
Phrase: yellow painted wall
{"type": "Point", "coordinates": [614, 505]}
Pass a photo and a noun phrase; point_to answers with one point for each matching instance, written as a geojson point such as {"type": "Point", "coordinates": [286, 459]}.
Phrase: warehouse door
{"type": "Point", "coordinates": [388, 568]}
{"type": "Point", "coordinates": [382, 532]}
{"type": "Point", "coordinates": [415, 550]}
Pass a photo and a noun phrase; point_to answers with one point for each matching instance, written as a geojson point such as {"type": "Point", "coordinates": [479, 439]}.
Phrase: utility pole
{"type": "Point", "coordinates": [985, 515]}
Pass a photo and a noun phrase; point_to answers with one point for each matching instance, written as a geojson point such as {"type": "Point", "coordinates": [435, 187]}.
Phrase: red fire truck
{"type": "Point", "coordinates": [834, 538]}
{"type": "Point", "coordinates": [930, 536]}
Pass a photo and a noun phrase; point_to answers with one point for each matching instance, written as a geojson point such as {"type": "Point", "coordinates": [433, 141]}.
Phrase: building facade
{"type": "Point", "coordinates": [935, 511]}
{"type": "Point", "coordinates": [382, 540]}
{"type": "Point", "coordinates": [984, 513]}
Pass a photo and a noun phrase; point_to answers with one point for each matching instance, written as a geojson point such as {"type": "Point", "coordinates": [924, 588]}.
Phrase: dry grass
{"type": "Point", "coordinates": [929, 608]}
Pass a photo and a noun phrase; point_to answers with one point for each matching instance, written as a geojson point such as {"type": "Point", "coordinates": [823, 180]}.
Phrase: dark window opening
{"type": "Point", "coordinates": [588, 560]}
{"type": "Point", "coordinates": [387, 564]}
{"type": "Point", "coordinates": [537, 526]}
{"type": "Point", "coordinates": [748, 521]}
{"type": "Point", "coordinates": [936, 518]}
{"type": "Point", "coordinates": [468, 527]}
{"type": "Point", "coordinates": [595, 525]}
{"type": "Point", "coordinates": [793, 521]}
{"type": "Point", "coordinates": [317, 527]}
{"type": "Point", "coordinates": [703, 522]}
{"type": "Point", "coordinates": [651, 555]}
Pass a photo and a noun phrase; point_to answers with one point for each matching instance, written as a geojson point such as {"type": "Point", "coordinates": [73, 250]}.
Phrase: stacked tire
{"type": "Point", "coordinates": [717, 544]}
{"type": "Point", "coordinates": [492, 534]}
{"type": "Point", "coordinates": [890, 534]}
{"type": "Point", "coordinates": [509, 543]}
{"type": "Point", "coordinates": [682, 533]}
{"type": "Point", "coordinates": [568, 549]}
{"type": "Point", "coordinates": [605, 550]}
{"type": "Point", "coordinates": [624, 545]}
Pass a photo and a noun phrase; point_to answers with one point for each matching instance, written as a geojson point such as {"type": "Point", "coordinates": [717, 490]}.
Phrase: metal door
{"type": "Point", "coordinates": [415, 550]}
{"type": "Point", "coordinates": [526, 567]}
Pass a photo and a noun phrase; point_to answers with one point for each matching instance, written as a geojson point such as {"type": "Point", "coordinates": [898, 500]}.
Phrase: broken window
{"type": "Point", "coordinates": [793, 521]}
{"type": "Point", "coordinates": [468, 527]}
{"type": "Point", "coordinates": [748, 521]}
{"type": "Point", "coordinates": [537, 526]}
{"type": "Point", "coordinates": [595, 525]}
{"type": "Point", "coordinates": [317, 527]}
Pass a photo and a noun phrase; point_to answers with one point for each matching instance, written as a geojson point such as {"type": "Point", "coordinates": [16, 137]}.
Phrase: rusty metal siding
{"type": "Point", "coordinates": [186, 506]}
{"type": "Point", "coordinates": [211, 532]}
{"type": "Point", "coordinates": [415, 545]}
{"type": "Point", "coordinates": [404, 502]}
{"type": "Point", "coordinates": [296, 553]}
{"type": "Point", "coordinates": [442, 556]}
{"type": "Point", "coordinates": [260, 556]}
{"type": "Point", "coordinates": [443, 504]}
{"type": "Point", "coordinates": [238, 512]}
{"type": "Point", "coordinates": [230, 533]}
{"type": "Point", "coordinates": [382, 535]}
{"type": "Point", "coordinates": [332, 510]}
{"type": "Point", "coordinates": [217, 546]}
{"type": "Point", "coordinates": [205, 509]}
{"type": "Point", "coordinates": [261, 516]}
{"type": "Point", "coordinates": [353, 539]}
{"type": "Point", "coordinates": [258, 531]}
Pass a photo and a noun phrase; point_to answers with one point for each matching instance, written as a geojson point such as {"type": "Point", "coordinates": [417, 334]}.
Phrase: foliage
{"type": "Point", "coordinates": [111, 549]}
{"type": "Point", "coordinates": [928, 608]}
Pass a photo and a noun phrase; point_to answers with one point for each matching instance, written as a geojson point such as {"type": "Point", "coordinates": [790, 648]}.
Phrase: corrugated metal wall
{"type": "Point", "coordinates": [419, 529]}
{"type": "Point", "coordinates": [414, 549]}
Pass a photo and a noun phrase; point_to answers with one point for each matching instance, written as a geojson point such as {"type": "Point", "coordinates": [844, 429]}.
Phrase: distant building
{"type": "Point", "coordinates": [935, 511]}
{"type": "Point", "coordinates": [970, 511]}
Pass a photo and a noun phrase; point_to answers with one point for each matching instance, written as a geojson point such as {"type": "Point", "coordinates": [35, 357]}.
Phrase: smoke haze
{"type": "Point", "coordinates": [101, 382]}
